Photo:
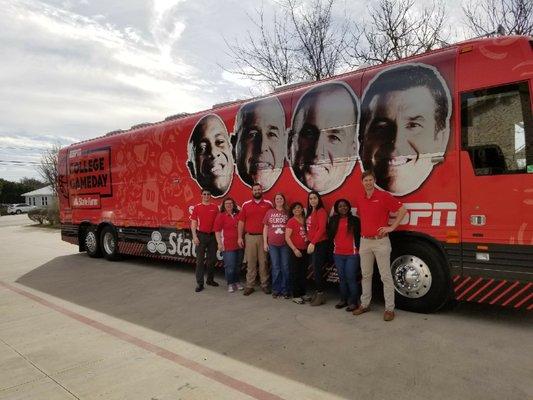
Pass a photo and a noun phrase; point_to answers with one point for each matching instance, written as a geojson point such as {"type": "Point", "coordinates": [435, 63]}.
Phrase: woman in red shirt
{"type": "Point", "coordinates": [317, 219]}
{"type": "Point", "coordinates": [296, 238]}
{"type": "Point", "coordinates": [344, 229]}
{"type": "Point", "coordinates": [226, 235]}
{"type": "Point", "coordinates": [274, 224]}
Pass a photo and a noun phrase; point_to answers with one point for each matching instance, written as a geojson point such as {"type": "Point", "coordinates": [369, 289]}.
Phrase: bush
{"type": "Point", "coordinates": [52, 214]}
{"type": "Point", "coordinates": [3, 210]}
{"type": "Point", "coordinates": [38, 215]}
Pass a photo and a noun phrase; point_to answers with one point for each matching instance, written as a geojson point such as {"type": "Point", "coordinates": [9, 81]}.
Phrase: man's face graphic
{"type": "Point", "coordinates": [326, 140]}
{"type": "Point", "coordinates": [401, 137]}
{"type": "Point", "coordinates": [213, 157]}
{"type": "Point", "coordinates": [263, 144]}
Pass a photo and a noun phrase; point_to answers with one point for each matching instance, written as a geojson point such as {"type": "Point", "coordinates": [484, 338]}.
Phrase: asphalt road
{"type": "Point", "coordinates": [136, 329]}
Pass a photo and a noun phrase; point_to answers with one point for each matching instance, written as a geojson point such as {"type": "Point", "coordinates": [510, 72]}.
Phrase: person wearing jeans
{"type": "Point", "coordinates": [318, 247]}
{"type": "Point", "coordinates": [344, 230]}
{"type": "Point", "coordinates": [296, 238]}
{"type": "Point", "coordinates": [226, 235]}
{"type": "Point", "coordinates": [274, 224]}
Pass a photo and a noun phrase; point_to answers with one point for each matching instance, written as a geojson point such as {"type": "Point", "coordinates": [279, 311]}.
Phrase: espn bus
{"type": "Point", "coordinates": [448, 132]}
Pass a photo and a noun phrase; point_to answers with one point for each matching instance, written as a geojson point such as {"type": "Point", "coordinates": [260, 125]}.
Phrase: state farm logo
{"type": "Point", "coordinates": [86, 201]}
{"type": "Point", "coordinates": [156, 244]}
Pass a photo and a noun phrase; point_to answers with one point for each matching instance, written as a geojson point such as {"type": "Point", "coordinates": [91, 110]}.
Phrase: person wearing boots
{"type": "Point", "coordinates": [203, 236]}
{"type": "Point", "coordinates": [317, 219]}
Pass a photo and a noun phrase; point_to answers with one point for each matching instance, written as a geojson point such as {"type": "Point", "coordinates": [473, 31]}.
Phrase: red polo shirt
{"type": "Point", "coordinates": [374, 211]}
{"type": "Point", "coordinates": [344, 242]}
{"type": "Point", "coordinates": [252, 214]}
{"type": "Point", "coordinates": [205, 215]}
{"type": "Point", "coordinates": [316, 226]}
{"type": "Point", "coordinates": [226, 224]}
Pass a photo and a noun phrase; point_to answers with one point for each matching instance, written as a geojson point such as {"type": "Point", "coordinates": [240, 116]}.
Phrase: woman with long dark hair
{"type": "Point", "coordinates": [344, 230]}
{"type": "Point", "coordinates": [296, 238]}
{"type": "Point", "coordinates": [226, 235]}
{"type": "Point", "coordinates": [317, 219]}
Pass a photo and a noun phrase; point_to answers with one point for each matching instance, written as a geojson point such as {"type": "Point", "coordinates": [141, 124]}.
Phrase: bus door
{"type": "Point", "coordinates": [497, 182]}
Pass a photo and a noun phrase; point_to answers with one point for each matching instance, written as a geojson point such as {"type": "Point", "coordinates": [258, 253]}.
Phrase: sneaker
{"type": "Point", "coordinates": [212, 283]}
{"type": "Point", "coordinates": [360, 310]}
{"type": "Point", "coordinates": [307, 297]}
{"type": "Point", "coordinates": [231, 289]}
{"type": "Point", "coordinates": [239, 286]}
{"type": "Point", "coordinates": [248, 291]}
{"type": "Point", "coordinates": [298, 300]}
{"type": "Point", "coordinates": [341, 304]}
{"type": "Point", "coordinates": [388, 315]}
{"type": "Point", "coordinates": [199, 288]}
{"type": "Point", "coordinates": [286, 296]}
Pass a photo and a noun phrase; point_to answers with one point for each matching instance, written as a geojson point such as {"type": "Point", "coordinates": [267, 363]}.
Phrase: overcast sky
{"type": "Point", "coordinates": [76, 69]}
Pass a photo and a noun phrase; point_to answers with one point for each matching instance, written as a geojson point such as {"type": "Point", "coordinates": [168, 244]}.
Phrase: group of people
{"type": "Point", "coordinates": [296, 236]}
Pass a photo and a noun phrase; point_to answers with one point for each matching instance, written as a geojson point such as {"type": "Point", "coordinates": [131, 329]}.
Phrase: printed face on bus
{"type": "Point", "coordinates": [210, 158]}
{"type": "Point", "coordinates": [323, 143]}
{"type": "Point", "coordinates": [261, 142]}
{"type": "Point", "coordinates": [404, 126]}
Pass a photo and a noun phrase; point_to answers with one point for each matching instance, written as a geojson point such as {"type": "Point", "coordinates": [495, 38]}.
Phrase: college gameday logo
{"type": "Point", "coordinates": [89, 177]}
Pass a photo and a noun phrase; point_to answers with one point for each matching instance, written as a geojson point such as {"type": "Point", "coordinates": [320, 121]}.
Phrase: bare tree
{"type": "Point", "coordinates": [267, 55]}
{"type": "Point", "coordinates": [48, 167]}
{"type": "Point", "coordinates": [305, 44]}
{"type": "Point", "coordinates": [322, 42]}
{"type": "Point", "coordinates": [397, 30]}
{"type": "Point", "coordinates": [512, 17]}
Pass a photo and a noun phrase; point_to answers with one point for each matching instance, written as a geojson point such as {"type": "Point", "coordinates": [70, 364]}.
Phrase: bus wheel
{"type": "Point", "coordinates": [109, 243]}
{"type": "Point", "coordinates": [420, 277]}
{"type": "Point", "coordinates": [92, 245]}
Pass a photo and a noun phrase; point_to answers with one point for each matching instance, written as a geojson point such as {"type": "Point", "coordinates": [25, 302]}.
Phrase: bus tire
{"type": "Point", "coordinates": [420, 275]}
{"type": "Point", "coordinates": [109, 243]}
{"type": "Point", "coordinates": [91, 242]}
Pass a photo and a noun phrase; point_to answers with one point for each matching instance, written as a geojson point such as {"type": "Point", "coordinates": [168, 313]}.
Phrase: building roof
{"type": "Point", "coordinates": [45, 191]}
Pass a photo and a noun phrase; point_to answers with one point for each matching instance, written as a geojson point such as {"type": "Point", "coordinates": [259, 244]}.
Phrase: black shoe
{"type": "Point", "coordinates": [199, 288]}
{"type": "Point", "coordinates": [212, 283]}
{"type": "Point", "coordinates": [341, 304]}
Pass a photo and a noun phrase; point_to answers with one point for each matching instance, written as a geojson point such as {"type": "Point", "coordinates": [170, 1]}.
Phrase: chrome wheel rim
{"type": "Point", "coordinates": [90, 242]}
{"type": "Point", "coordinates": [411, 276]}
{"type": "Point", "coordinates": [109, 243]}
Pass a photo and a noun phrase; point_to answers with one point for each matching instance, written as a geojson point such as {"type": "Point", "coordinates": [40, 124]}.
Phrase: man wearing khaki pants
{"type": "Point", "coordinates": [251, 223]}
{"type": "Point", "coordinates": [373, 209]}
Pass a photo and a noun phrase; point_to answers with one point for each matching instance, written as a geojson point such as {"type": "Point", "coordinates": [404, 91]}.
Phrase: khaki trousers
{"type": "Point", "coordinates": [379, 250]}
{"type": "Point", "coordinates": [255, 254]}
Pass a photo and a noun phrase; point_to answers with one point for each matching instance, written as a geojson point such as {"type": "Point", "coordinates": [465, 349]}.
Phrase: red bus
{"type": "Point", "coordinates": [449, 132]}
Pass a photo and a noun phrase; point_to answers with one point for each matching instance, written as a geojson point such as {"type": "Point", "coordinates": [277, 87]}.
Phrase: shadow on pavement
{"type": "Point", "coordinates": [320, 347]}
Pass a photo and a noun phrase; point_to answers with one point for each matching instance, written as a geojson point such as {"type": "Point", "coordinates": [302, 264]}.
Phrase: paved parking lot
{"type": "Point", "coordinates": [75, 327]}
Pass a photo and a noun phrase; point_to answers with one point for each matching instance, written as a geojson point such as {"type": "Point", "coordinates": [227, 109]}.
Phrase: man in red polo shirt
{"type": "Point", "coordinates": [251, 223]}
{"type": "Point", "coordinates": [374, 208]}
{"type": "Point", "coordinates": [203, 236]}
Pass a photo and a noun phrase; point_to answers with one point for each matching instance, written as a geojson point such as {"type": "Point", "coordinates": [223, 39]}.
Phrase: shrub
{"type": "Point", "coordinates": [38, 215]}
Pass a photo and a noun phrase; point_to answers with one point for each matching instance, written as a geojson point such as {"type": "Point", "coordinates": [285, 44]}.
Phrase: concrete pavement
{"type": "Point", "coordinates": [75, 327]}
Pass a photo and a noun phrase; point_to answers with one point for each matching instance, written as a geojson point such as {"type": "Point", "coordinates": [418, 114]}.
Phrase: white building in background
{"type": "Point", "coordinates": [40, 197]}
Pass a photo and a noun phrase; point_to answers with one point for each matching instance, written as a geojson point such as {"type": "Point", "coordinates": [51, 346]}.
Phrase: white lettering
{"type": "Point", "coordinates": [433, 214]}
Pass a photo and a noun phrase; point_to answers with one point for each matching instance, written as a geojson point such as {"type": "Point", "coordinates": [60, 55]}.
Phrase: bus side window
{"type": "Point", "coordinates": [496, 129]}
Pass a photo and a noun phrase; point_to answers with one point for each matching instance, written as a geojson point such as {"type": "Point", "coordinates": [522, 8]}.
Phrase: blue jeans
{"type": "Point", "coordinates": [279, 260]}
{"type": "Point", "coordinates": [232, 265]}
{"type": "Point", "coordinates": [348, 269]}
